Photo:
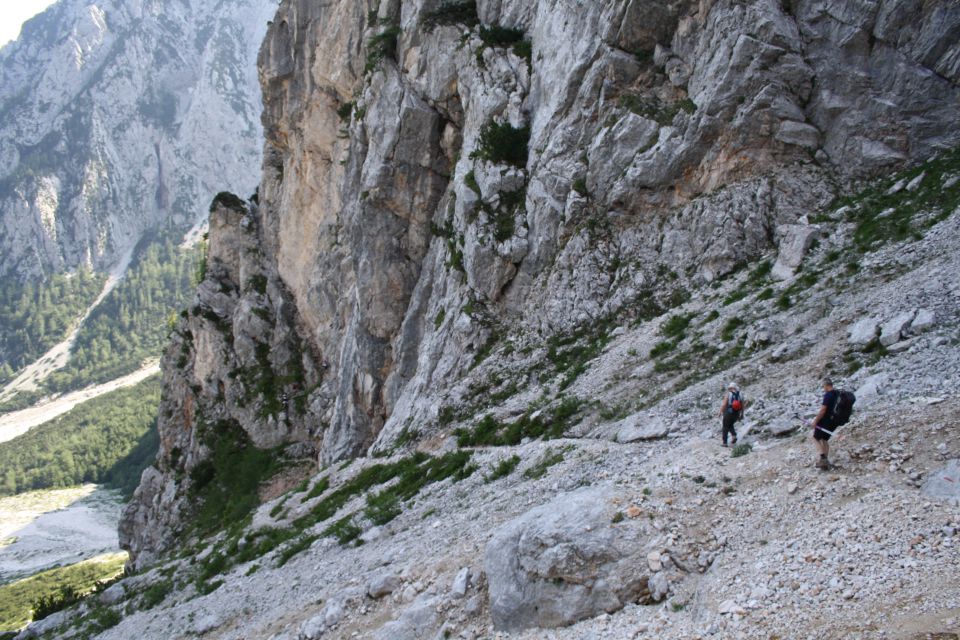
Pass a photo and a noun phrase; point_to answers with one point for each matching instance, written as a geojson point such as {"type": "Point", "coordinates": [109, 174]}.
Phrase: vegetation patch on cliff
{"type": "Point", "coordinates": [40, 595]}
{"type": "Point", "coordinates": [502, 143]}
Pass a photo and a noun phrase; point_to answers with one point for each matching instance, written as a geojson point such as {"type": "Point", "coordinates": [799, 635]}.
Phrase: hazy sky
{"type": "Point", "coordinates": [14, 13]}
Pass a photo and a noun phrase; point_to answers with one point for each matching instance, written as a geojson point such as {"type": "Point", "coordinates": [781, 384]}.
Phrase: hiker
{"type": "Point", "coordinates": [731, 410]}
{"type": "Point", "coordinates": [823, 424]}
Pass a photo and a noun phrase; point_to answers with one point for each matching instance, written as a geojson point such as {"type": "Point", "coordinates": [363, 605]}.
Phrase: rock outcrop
{"type": "Point", "coordinates": [121, 117]}
{"type": "Point", "coordinates": [435, 191]}
{"type": "Point", "coordinates": [565, 561]}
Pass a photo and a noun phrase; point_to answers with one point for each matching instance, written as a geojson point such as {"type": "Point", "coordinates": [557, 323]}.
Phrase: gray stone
{"type": "Point", "coordinates": [113, 594]}
{"type": "Point", "coordinates": [564, 561]}
{"type": "Point", "coordinates": [800, 134]}
{"type": "Point", "coordinates": [659, 586]}
{"type": "Point", "coordinates": [781, 426]}
{"type": "Point", "coordinates": [871, 389]}
{"type": "Point", "coordinates": [461, 583]}
{"type": "Point", "coordinates": [383, 584]}
{"type": "Point", "coordinates": [862, 332]}
{"type": "Point", "coordinates": [641, 426]}
{"type": "Point", "coordinates": [794, 244]}
{"type": "Point", "coordinates": [415, 622]}
{"type": "Point", "coordinates": [924, 320]}
{"type": "Point", "coordinates": [944, 484]}
{"type": "Point", "coordinates": [914, 184]}
{"type": "Point", "coordinates": [892, 330]}
{"type": "Point", "coordinates": [206, 623]}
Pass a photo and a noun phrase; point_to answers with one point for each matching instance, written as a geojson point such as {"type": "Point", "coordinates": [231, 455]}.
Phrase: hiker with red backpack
{"type": "Point", "coordinates": [835, 410]}
{"type": "Point", "coordinates": [731, 410]}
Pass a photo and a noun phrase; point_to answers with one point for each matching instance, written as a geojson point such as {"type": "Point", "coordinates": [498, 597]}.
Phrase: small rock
{"type": "Point", "coordinates": [461, 583]}
{"type": "Point", "coordinates": [113, 594]}
{"type": "Point", "coordinates": [383, 584]}
{"type": "Point", "coordinates": [863, 331]}
{"type": "Point", "coordinates": [914, 184]}
{"type": "Point", "coordinates": [924, 320]}
{"type": "Point", "coordinates": [792, 488]}
{"type": "Point", "coordinates": [633, 511]}
{"type": "Point", "coordinates": [729, 607]}
{"type": "Point", "coordinates": [659, 586]}
{"type": "Point", "coordinates": [654, 561]}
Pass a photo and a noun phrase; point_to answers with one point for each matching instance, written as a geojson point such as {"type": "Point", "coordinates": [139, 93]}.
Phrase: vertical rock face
{"type": "Point", "coordinates": [118, 117]}
{"type": "Point", "coordinates": [430, 186]}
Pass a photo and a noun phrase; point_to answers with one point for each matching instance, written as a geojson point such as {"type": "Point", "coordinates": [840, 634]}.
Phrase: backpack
{"type": "Point", "coordinates": [736, 404]}
{"type": "Point", "coordinates": [843, 408]}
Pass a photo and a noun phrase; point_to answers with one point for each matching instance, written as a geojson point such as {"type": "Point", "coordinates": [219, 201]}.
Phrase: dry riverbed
{"type": "Point", "coordinates": [44, 529]}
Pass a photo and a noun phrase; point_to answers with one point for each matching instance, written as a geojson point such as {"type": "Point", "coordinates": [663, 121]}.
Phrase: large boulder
{"type": "Point", "coordinates": [893, 329]}
{"type": "Point", "coordinates": [565, 561]}
{"type": "Point", "coordinates": [641, 426]}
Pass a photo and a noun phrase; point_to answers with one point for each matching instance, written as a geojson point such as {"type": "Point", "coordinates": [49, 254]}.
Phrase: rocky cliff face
{"type": "Point", "coordinates": [451, 196]}
{"type": "Point", "coordinates": [119, 117]}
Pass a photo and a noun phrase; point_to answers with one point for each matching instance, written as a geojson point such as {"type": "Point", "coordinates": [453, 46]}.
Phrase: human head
{"type": "Point", "coordinates": [827, 384]}
{"type": "Point", "coordinates": [732, 386]}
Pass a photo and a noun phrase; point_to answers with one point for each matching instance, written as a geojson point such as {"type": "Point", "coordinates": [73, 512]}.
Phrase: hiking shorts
{"type": "Point", "coordinates": [820, 434]}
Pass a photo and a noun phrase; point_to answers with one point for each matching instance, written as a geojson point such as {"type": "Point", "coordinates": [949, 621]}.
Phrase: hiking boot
{"type": "Point", "coordinates": [823, 463]}
{"type": "Point", "coordinates": [723, 444]}
{"type": "Point", "coordinates": [734, 441]}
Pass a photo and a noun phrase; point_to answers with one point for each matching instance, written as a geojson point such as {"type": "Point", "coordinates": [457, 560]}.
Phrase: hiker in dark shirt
{"type": "Point", "coordinates": [822, 424]}
{"type": "Point", "coordinates": [731, 410]}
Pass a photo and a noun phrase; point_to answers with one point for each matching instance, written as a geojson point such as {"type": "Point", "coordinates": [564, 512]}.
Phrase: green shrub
{"type": "Point", "coordinates": [382, 507]}
{"type": "Point", "coordinates": [504, 468]}
{"type": "Point", "coordinates": [346, 531]}
{"type": "Point", "coordinates": [580, 186]}
{"type": "Point", "coordinates": [662, 348]}
{"type": "Point", "coordinates": [228, 201]}
{"type": "Point", "coordinates": [381, 46]}
{"type": "Point", "coordinates": [547, 425]}
{"type": "Point", "coordinates": [502, 143]}
{"type": "Point", "coordinates": [225, 486]}
{"type": "Point", "coordinates": [471, 181]}
{"type": "Point", "coordinates": [258, 283]}
{"type": "Point", "coordinates": [761, 271]}
{"type": "Point", "coordinates": [49, 603]}
{"type": "Point", "coordinates": [730, 328]}
{"type": "Point", "coordinates": [155, 594]}
{"type": "Point", "coordinates": [497, 36]}
{"type": "Point", "coordinates": [766, 294]}
{"type": "Point", "coordinates": [736, 296]}
{"type": "Point", "coordinates": [784, 302]}
{"type": "Point", "coordinates": [456, 12]}
{"type": "Point", "coordinates": [547, 460]}
{"type": "Point", "coordinates": [345, 111]}
{"type": "Point", "coordinates": [741, 450]}
{"type": "Point", "coordinates": [652, 108]}
{"type": "Point", "coordinates": [675, 326]}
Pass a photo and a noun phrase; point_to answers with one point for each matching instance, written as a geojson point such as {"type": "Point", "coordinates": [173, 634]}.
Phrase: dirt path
{"type": "Point", "coordinates": [58, 355]}
{"type": "Point", "coordinates": [19, 422]}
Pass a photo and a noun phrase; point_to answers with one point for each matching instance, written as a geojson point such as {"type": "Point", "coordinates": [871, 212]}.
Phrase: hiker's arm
{"type": "Point", "coordinates": [820, 415]}
{"type": "Point", "coordinates": [723, 406]}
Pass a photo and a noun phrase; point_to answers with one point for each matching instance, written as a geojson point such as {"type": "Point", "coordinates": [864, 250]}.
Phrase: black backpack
{"type": "Point", "coordinates": [843, 408]}
{"type": "Point", "coordinates": [736, 397]}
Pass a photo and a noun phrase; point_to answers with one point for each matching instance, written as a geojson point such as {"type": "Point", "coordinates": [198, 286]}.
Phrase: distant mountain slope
{"type": "Point", "coordinates": [117, 117]}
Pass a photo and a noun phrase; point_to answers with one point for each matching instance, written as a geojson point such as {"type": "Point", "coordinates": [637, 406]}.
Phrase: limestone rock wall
{"type": "Point", "coordinates": [669, 143]}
